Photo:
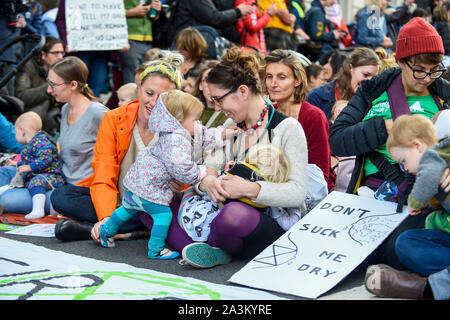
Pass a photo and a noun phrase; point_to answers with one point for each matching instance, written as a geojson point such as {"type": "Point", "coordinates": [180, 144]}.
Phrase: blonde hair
{"type": "Point", "coordinates": [271, 161]}
{"type": "Point", "coordinates": [180, 104]}
{"type": "Point", "coordinates": [166, 66]}
{"type": "Point", "coordinates": [406, 128]}
{"type": "Point", "coordinates": [152, 54]}
{"type": "Point", "coordinates": [336, 105]}
{"type": "Point", "coordinates": [386, 61]}
{"type": "Point", "coordinates": [129, 88]}
{"type": "Point", "coordinates": [30, 121]}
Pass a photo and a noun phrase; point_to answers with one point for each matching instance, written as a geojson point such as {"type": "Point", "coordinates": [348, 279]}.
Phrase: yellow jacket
{"type": "Point", "coordinates": [275, 21]}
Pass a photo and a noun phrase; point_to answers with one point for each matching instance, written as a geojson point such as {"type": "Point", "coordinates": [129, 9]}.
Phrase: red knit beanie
{"type": "Point", "coordinates": [416, 37]}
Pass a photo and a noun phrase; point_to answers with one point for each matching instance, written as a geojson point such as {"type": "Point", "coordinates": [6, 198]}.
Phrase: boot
{"type": "Point", "coordinates": [386, 282]}
{"type": "Point", "coordinates": [71, 230]}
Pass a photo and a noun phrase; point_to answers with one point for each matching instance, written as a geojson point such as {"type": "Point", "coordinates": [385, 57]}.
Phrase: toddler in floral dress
{"type": "Point", "coordinates": [39, 163]}
{"type": "Point", "coordinates": [147, 183]}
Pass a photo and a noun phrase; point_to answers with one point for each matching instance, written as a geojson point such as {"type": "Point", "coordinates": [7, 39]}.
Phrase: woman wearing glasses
{"type": "Point", "coordinates": [81, 115]}
{"type": "Point", "coordinates": [240, 228]}
{"type": "Point", "coordinates": [363, 126]}
{"type": "Point", "coordinates": [30, 84]}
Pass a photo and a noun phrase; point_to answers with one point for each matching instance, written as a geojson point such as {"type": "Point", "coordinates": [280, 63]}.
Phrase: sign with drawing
{"type": "Point", "coordinates": [323, 247]}
{"type": "Point", "coordinates": [96, 25]}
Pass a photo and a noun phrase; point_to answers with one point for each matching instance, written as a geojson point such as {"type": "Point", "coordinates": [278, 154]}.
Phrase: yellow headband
{"type": "Point", "coordinates": [164, 69]}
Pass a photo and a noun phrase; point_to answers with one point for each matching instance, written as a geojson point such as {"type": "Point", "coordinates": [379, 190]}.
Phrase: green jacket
{"type": "Point", "coordinates": [139, 28]}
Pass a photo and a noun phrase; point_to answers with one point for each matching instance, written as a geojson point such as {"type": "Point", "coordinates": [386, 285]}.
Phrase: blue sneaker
{"type": "Point", "coordinates": [104, 240]}
{"type": "Point", "coordinates": [202, 255]}
{"type": "Point", "coordinates": [165, 254]}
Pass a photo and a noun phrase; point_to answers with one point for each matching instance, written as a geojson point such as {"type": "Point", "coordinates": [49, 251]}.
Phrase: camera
{"type": "Point", "coordinates": [11, 8]}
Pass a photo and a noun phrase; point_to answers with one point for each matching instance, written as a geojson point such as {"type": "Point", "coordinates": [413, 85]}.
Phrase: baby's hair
{"type": "Point", "coordinates": [337, 104]}
{"type": "Point", "coordinates": [271, 161]}
{"type": "Point", "coordinates": [406, 128]}
{"type": "Point", "coordinates": [128, 88]}
{"type": "Point", "coordinates": [29, 120]}
{"type": "Point", "coordinates": [180, 104]}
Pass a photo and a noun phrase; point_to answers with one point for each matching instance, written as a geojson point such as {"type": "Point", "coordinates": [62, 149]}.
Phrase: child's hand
{"type": "Point", "coordinates": [229, 165]}
{"type": "Point", "coordinates": [211, 172]}
{"type": "Point", "coordinates": [413, 212]}
{"type": "Point", "coordinates": [10, 162]}
{"type": "Point", "coordinates": [24, 168]}
{"type": "Point", "coordinates": [231, 132]}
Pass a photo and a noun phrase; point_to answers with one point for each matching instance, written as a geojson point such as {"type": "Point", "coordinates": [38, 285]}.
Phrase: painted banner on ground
{"type": "Point", "coordinates": [96, 25]}
{"type": "Point", "coordinates": [30, 272]}
{"type": "Point", "coordinates": [323, 247]}
{"type": "Point", "coordinates": [36, 230]}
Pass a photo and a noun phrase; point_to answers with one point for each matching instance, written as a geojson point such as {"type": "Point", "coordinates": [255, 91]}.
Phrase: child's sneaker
{"type": "Point", "coordinates": [104, 240]}
{"type": "Point", "coordinates": [165, 254]}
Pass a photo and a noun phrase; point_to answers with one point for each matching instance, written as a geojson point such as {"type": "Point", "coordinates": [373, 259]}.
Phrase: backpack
{"type": "Point", "coordinates": [163, 26]}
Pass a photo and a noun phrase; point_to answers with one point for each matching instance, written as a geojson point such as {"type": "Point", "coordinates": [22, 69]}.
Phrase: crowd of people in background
{"type": "Point", "coordinates": [234, 77]}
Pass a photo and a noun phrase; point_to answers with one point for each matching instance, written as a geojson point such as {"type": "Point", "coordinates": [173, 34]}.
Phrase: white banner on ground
{"type": "Point", "coordinates": [323, 247]}
{"type": "Point", "coordinates": [96, 25]}
{"type": "Point", "coordinates": [30, 272]}
{"type": "Point", "coordinates": [36, 230]}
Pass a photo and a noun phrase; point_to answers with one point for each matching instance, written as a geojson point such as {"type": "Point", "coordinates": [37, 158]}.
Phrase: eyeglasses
{"type": "Point", "coordinates": [53, 85]}
{"type": "Point", "coordinates": [56, 53]}
{"type": "Point", "coordinates": [219, 99]}
{"type": "Point", "coordinates": [421, 74]}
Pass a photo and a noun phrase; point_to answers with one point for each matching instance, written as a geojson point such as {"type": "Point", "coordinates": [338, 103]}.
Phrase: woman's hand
{"type": "Point", "coordinates": [95, 231]}
{"type": "Point", "coordinates": [213, 187]}
{"type": "Point", "coordinates": [445, 180]}
{"type": "Point", "coordinates": [237, 187]}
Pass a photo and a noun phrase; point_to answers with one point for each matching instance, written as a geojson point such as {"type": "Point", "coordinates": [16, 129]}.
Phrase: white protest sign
{"type": "Point", "coordinates": [323, 247]}
{"type": "Point", "coordinates": [96, 25]}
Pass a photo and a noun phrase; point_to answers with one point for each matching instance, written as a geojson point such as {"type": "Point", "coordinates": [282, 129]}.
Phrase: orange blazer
{"type": "Point", "coordinates": [113, 141]}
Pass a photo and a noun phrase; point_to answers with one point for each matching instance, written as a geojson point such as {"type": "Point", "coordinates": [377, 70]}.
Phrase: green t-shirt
{"type": "Point", "coordinates": [380, 108]}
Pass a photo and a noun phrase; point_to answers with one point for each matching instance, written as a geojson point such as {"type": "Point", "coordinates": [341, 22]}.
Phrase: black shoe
{"type": "Point", "coordinates": [71, 230]}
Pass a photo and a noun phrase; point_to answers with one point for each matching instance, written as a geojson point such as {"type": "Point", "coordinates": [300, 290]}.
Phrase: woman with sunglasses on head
{"type": "Point", "coordinates": [240, 228]}
{"type": "Point", "coordinates": [81, 115]}
{"type": "Point", "coordinates": [122, 134]}
{"type": "Point", "coordinates": [363, 126]}
{"type": "Point", "coordinates": [286, 83]}
{"type": "Point", "coordinates": [30, 84]}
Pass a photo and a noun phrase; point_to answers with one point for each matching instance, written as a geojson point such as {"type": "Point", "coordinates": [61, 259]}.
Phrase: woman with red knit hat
{"type": "Point", "coordinates": [363, 126]}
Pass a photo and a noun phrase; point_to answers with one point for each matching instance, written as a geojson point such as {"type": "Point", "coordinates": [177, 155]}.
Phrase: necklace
{"type": "Point", "coordinates": [253, 128]}
{"type": "Point", "coordinates": [241, 156]}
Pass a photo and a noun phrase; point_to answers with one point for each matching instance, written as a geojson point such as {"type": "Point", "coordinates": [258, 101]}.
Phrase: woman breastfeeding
{"type": "Point", "coordinates": [239, 228]}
